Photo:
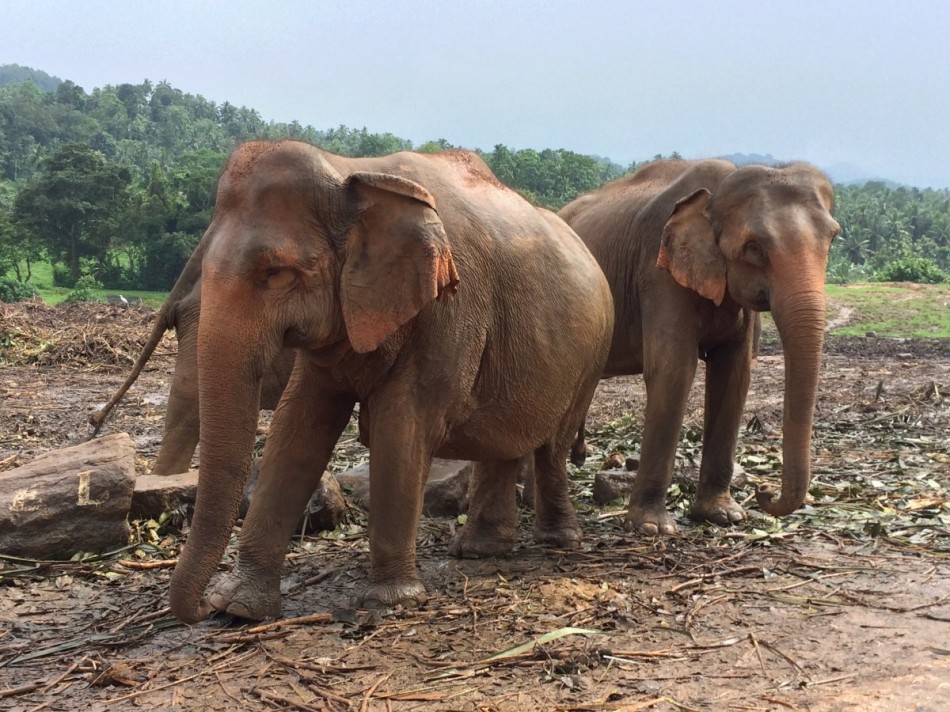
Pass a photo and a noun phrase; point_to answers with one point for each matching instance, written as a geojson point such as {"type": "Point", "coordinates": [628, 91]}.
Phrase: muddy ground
{"type": "Point", "coordinates": [844, 605]}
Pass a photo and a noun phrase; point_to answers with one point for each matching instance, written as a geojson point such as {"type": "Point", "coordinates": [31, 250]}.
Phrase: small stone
{"type": "Point", "coordinates": [611, 485]}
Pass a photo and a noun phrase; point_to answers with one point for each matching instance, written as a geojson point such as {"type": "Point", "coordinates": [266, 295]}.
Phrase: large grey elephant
{"type": "Point", "coordinates": [180, 312]}
{"type": "Point", "coordinates": [692, 250]}
{"type": "Point", "coordinates": [426, 291]}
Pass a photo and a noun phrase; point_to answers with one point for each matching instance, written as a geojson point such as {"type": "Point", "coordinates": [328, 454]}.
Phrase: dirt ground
{"type": "Point", "coordinates": [844, 605]}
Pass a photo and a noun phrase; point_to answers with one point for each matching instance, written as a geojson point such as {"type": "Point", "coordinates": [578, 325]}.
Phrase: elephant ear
{"type": "Point", "coordinates": [397, 258]}
{"type": "Point", "coordinates": [688, 249]}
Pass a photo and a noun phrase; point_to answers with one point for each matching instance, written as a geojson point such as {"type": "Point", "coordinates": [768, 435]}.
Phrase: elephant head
{"type": "Point", "coordinates": [761, 238]}
{"type": "Point", "coordinates": [301, 255]}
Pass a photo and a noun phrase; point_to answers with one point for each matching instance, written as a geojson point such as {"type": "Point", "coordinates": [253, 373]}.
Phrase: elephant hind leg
{"type": "Point", "coordinates": [555, 523]}
{"type": "Point", "coordinates": [579, 448]}
{"type": "Point", "coordinates": [491, 528]}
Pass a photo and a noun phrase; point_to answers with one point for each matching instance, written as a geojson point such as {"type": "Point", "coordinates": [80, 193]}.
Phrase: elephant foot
{"type": "Point", "coordinates": [650, 521]}
{"type": "Point", "coordinates": [246, 595]}
{"type": "Point", "coordinates": [472, 544]}
{"type": "Point", "coordinates": [579, 452]}
{"type": "Point", "coordinates": [409, 593]}
{"type": "Point", "coordinates": [562, 537]}
{"type": "Point", "coordinates": [719, 509]}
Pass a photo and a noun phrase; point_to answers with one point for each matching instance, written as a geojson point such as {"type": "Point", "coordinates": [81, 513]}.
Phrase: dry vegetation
{"type": "Point", "coordinates": [843, 606]}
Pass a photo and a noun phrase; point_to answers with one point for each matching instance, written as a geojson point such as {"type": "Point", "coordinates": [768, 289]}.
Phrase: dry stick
{"type": "Point", "coordinates": [704, 604]}
{"type": "Point", "coordinates": [723, 560]}
{"type": "Point", "coordinates": [328, 696]}
{"type": "Point", "coordinates": [147, 618]}
{"type": "Point", "coordinates": [807, 581]}
{"type": "Point", "coordinates": [139, 693]}
{"type": "Point", "coordinates": [22, 689]}
{"type": "Point", "coordinates": [755, 644]}
{"type": "Point", "coordinates": [266, 696]}
{"type": "Point", "coordinates": [146, 565]}
{"type": "Point", "coordinates": [312, 581]}
{"type": "Point", "coordinates": [369, 693]}
{"type": "Point", "coordinates": [225, 689]}
{"type": "Point", "coordinates": [69, 671]}
{"type": "Point", "coordinates": [33, 686]}
{"type": "Point", "coordinates": [787, 658]}
{"type": "Point", "coordinates": [714, 574]}
{"type": "Point", "coordinates": [323, 669]}
{"type": "Point", "coordinates": [918, 608]}
{"type": "Point", "coordinates": [831, 680]}
{"type": "Point", "coordinates": [300, 620]}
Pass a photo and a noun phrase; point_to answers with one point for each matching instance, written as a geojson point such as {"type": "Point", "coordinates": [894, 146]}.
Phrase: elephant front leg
{"type": "Point", "coordinates": [305, 428]}
{"type": "Point", "coordinates": [727, 384]}
{"type": "Point", "coordinates": [669, 375]}
{"type": "Point", "coordinates": [491, 526]}
{"type": "Point", "coordinates": [399, 461]}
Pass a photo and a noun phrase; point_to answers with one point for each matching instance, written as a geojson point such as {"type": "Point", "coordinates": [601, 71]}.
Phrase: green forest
{"type": "Point", "coordinates": [114, 187]}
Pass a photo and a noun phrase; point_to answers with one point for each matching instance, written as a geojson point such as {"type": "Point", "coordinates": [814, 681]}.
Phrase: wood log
{"type": "Point", "coordinates": [69, 500]}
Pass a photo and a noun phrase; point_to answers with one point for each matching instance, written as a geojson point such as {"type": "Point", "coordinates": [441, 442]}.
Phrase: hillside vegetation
{"type": "Point", "coordinates": [113, 187]}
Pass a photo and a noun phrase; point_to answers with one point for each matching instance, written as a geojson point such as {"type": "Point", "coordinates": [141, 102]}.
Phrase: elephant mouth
{"type": "Point", "coordinates": [760, 302]}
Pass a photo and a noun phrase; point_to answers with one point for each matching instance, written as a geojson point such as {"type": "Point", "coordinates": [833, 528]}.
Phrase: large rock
{"type": "Point", "coordinates": [155, 494]}
{"type": "Point", "coordinates": [446, 492]}
{"type": "Point", "coordinates": [324, 511]}
{"type": "Point", "coordinates": [69, 500]}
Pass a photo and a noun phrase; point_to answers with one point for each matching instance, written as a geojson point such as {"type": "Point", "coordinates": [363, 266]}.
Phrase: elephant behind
{"type": "Point", "coordinates": [180, 311]}
{"type": "Point", "coordinates": [692, 251]}
{"type": "Point", "coordinates": [419, 287]}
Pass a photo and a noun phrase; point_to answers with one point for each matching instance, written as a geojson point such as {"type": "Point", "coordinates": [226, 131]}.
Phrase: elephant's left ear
{"type": "Point", "coordinates": [397, 257]}
{"type": "Point", "coordinates": [688, 249]}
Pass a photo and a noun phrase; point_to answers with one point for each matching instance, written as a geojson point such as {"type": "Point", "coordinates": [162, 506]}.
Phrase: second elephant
{"type": "Point", "coordinates": [180, 312]}
{"type": "Point", "coordinates": [692, 249]}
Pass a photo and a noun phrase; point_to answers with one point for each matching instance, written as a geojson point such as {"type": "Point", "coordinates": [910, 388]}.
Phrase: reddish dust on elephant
{"type": "Point", "coordinates": [419, 288]}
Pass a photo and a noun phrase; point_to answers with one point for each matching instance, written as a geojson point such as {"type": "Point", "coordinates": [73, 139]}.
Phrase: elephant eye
{"type": "Point", "coordinates": [752, 252]}
{"type": "Point", "coordinates": [277, 277]}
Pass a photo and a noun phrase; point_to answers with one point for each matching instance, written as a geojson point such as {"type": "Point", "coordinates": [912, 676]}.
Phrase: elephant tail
{"type": "Point", "coordinates": [162, 324]}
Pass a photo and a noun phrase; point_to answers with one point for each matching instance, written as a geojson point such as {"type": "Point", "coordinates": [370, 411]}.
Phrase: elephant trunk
{"type": "Point", "coordinates": [800, 318]}
{"type": "Point", "coordinates": [229, 396]}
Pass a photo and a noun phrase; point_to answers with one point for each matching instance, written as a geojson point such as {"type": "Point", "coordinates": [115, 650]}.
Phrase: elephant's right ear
{"type": "Point", "coordinates": [397, 257]}
{"type": "Point", "coordinates": [688, 249]}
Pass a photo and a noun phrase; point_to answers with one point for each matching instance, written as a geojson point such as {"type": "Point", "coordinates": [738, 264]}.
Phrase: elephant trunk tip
{"type": "Point", "coordinates": [185, 608]}
{"type": "Point", "coordinates": [778, 505]}
{"type": "Point", "coordinates": [191, 614]}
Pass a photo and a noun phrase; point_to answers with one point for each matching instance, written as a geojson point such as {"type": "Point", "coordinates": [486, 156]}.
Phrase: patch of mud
{"type": "Point", "coordinates": [844, 605]}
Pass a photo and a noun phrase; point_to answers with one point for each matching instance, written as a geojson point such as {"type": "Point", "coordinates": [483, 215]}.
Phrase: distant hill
{"type": "Point", "coordinates": [840, 173]}
{"type": "Point", "coordinates": [15, 74]}
{"type": "Point", "coordinates": [744, 159]}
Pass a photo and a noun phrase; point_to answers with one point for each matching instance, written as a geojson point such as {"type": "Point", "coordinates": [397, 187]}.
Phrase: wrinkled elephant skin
{"type": "Point", "coordinates": [693, 250]}
{"type": "Point", "coordinates": [418, 287]}
{"type": "Point", "coordinates": [180, 312]}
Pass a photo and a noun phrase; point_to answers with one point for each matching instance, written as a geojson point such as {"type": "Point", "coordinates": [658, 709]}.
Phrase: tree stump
{"type": "Point", "coordinates": [69, 500]}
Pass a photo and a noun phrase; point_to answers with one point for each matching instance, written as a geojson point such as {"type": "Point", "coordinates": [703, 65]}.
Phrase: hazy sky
{"type": "Point", "coordinates": [863, 82]}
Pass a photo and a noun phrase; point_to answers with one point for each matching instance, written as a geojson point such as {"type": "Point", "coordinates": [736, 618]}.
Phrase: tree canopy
{"type": "Point", "coordinates": [118, 183]}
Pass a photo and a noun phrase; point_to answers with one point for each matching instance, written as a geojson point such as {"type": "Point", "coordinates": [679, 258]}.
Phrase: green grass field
{"type": "Point", "coordinates": [895, 310]}
{"type": "Point", "coordinates": [891, 309]}
{"type": "Point", "coordinates": [42, 279]}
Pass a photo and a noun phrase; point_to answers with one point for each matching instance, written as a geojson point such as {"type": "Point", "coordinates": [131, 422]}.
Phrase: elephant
{"type": "Point", "coordinates": [180, 311]}
{"type": "Point", "coordinates": [419, 288]}
{"type": "Point", "coordinates": [693, 251]}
